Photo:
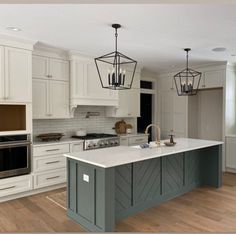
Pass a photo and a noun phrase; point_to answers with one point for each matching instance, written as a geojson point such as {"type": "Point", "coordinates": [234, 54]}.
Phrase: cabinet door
{"type": "Point", "coordinates": [40, 67]}
{"type": "Point", "coordinates": [18, 75]}
{"type": "Point", "coordinates": [59, 99]}
{"type": "Point", "coordinates": [2, 83]}
{"type": "Point", "coordinates": [59, 69]}
{"type": "Point", "coordinates": [213, 79]}
{"type": "Point", "coordinates": [230, 152]}
{"type": "Point", "coordinates": [167, 106]}
{"type": "Point", "coordinates": [133, 103]}
{"type": "Point", "coordinates": [40, 99]}
{"type": "Point", "coordinates": [76, 147]}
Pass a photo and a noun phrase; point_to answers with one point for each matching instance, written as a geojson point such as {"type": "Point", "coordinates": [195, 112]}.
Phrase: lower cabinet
{"type": "Point", "coordinates": [230, 152]}
{"type": "Point", "coordinates": [14, 185]}
{"type": "Point", "coordinates": [49, 164]}
{"type": "Point", "coordinates": [48, 178]}
{"type": "Point", "coordinates": [133, 139]}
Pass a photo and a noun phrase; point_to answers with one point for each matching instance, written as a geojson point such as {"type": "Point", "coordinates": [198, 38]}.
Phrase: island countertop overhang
{"type": "Point", "coordinates": [120, 155]}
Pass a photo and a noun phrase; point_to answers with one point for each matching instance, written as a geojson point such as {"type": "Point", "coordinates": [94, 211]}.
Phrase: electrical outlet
{"type": "Point", "coordinates": [86, 178]}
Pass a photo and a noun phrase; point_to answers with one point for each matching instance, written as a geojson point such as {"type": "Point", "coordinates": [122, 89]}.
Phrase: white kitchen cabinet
{"type": "Point", "coordinates": [40, 99]}
{"type": "Point", "coordinates": [129, 101]}
{"type": "Point", "coordinates": [50, 99]}
{"type": "Point", "coordinates": [49, 164]}
{"type": "Point", "coordinates": [231, 152]}
{"type": "Point", "coordinates": [173, 108]}
{"type": "Point", "coordinates": [14, 185]}
{"type": "Point", "coordinates": [48, 67]}
{"type": "Point", "coordinates": [133, 139]}
{"type": "Point", "coordinates": [59, 99]}
{"type": "Point", "coordinates": [15, 75]}
{"type": "Point", "coordinates": [76, 147]}
{"type": "Point", "coordinates": [85, 86]}
{"type": "Point", "coordinates": [212, 79]}
{"type": "Point", "coordinates": [2, 83]}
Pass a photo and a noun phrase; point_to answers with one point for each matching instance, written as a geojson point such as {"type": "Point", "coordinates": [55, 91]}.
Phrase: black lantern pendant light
{"type": "Point", "coordinates": [187, 81]}
{"type": "Point", "coordinates": [115, 70]}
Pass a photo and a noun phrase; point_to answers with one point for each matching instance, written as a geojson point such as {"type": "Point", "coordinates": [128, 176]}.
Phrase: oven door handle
{"type": "Point", "coordinates": [2, 146]}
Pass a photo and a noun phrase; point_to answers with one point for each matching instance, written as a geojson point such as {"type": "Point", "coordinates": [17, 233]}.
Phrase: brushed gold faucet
{"type": "Point", "coordinates": [158, 138]}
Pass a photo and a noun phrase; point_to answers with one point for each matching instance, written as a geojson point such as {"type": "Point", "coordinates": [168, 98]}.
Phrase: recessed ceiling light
{"type": "Point", "coordinates": [233, 55]}
{"type": "Point", "coordinates": [172, 66]}
{"type": "Point", "coordinates": [219, 49]}
{"type": "Point", "coordinates": [15, 29]}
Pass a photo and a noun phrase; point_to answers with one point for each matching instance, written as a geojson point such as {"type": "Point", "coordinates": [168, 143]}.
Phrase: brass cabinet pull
{"type": "Point", "coordinates": [52, 162]}
{"type": "Point", "coordinates": [7, 188]}
{"type": "Point", "coordinates": [54, 177]}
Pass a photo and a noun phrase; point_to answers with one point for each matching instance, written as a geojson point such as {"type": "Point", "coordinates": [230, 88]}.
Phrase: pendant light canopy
{"type": "Point", "coordinates": [187, 81]}
{"type": "Point", "coordinates": [115, 70]}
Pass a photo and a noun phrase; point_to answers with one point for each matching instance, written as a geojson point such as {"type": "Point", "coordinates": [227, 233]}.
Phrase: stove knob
{"type": "Point", "coordinates": [89, 146]}
{"type": "Point", "coordinates": [101, 144]}
{"type": "Point", "coordinates": [116, 142]}
{"type": "Point", "coordinates": [94, 145]}
{"type": "Point", "coordinates": [112, 142]}
{"type": "Point", "coordinates": [106, 143]}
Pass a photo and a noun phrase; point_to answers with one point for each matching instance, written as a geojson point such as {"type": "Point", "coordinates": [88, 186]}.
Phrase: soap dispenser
{"type": "Point", "coordinates": [171, 137]}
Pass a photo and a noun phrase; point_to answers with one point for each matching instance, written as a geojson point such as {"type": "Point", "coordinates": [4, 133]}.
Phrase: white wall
{"type": "Point", "coordinates": [98, 124]}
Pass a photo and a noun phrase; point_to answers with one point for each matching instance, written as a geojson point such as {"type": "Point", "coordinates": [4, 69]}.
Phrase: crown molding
{"type": "Point", "coordinates": [18, 42]}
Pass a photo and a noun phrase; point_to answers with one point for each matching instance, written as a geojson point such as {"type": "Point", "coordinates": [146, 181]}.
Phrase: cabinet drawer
{"type": "Point", "coordinates": [15, 185]}
{"type": "Point", "coordinates": [49, 178]}
{"type": "Point", "coordinates": [138, 140]}
{"type": "Point", "coordinates": [48, 163]}
{"type": "Point", "coordinates": [124, 141]}
{"type": "Point", "coordinates": [51, 149]}
{"type": "Point", "coordinates": [76, 147]}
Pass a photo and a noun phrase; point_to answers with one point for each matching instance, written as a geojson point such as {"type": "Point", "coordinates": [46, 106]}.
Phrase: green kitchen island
{"type": "Point", "coordinates": [110, 184]}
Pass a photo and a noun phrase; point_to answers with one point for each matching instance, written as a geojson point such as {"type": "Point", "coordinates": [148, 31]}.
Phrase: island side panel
{"type": "Point", "coordinates": [91, 199]}
{"type": "Point", "coordinates": [143, 184]}
{"type": "Point", "coordinates": [211, 166]}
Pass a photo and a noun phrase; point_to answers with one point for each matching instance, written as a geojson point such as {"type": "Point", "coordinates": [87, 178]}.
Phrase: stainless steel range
{"type": "Point", "coordinates": [99, 140]}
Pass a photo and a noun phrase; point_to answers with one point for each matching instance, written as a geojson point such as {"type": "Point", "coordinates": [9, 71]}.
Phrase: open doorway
{"type": "Point", "coordinates": [147, 102]}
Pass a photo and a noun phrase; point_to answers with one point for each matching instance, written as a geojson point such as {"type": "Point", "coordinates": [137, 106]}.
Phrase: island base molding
{"type": "Point", "coordinates": [100, 197]}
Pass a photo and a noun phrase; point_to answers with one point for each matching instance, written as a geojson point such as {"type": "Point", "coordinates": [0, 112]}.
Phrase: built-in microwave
{"type": "Point", "coordinates": [15, 155]}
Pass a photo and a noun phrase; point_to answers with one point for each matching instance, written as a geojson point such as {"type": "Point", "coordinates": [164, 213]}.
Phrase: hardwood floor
{"type": "Point", "coordinates": [202, 210]}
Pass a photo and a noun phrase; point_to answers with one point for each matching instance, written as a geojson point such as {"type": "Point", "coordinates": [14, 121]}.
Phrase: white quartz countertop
{"type": "Point", "coordinates": [120, 155]}
{"type": "Point", "coordinates": [63, 140]}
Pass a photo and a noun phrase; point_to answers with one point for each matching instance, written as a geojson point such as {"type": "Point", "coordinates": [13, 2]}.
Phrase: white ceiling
{"type": "Point", "coordinates": [154, 35]}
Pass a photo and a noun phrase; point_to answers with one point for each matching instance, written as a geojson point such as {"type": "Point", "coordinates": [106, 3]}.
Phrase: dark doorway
{"type": "Point", "coordinates": [146, 114]}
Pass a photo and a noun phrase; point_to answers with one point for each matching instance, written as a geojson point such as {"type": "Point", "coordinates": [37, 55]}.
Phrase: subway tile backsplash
{"type": "Point", "coordinates": [98, 124]}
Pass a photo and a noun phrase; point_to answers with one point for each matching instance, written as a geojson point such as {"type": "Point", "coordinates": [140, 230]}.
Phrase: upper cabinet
{"type": "Point", "coordinates": [212, 79]}
{"type": "Point", "coordinates": [53, 68]}
{"type": "Point", "coordinates": [15, 75]}
{"type": "Point", "coordinates": [50, 88]}
{"type": "Point", "coordinates": [129, 101]}
{"type": "Point", "coordinates": [85, 84]}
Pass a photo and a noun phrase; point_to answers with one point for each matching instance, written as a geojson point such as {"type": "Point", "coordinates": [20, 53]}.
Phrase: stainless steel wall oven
{"type": "Point", "coordinates": [15, 155]}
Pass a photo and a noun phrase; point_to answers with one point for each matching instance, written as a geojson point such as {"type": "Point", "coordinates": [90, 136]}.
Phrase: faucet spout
{"type": "Point", "coordinates": [158, 137]}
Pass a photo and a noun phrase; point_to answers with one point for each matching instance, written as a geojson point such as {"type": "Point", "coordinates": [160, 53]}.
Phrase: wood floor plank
{"type": "Point", "coordinates": [202, 210]}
